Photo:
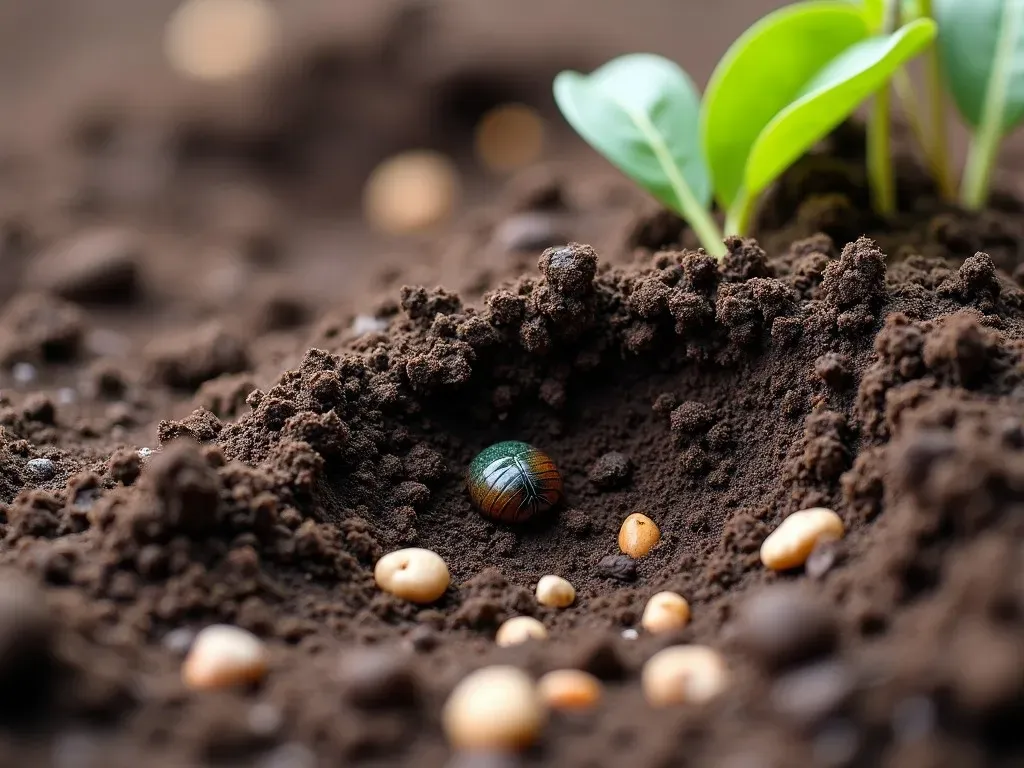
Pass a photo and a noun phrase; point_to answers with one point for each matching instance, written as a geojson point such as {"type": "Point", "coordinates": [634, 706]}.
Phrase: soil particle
{"type": "Point", "coordinates": [611, 471]}
{"type": "Point", "coordinates": [96, 267]}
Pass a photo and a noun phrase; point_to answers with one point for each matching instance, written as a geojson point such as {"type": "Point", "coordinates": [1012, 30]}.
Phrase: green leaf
{"type": "Point", "coordinates": [830, 97]}
{"type": "Point", "coordinates": [642, 112]}
{"type": "Point", "coordinates": [762, 73]}
{"type": "Point", "coordinates": [981, 43]}
{"type": "Point", "coordinates": [874, 12]}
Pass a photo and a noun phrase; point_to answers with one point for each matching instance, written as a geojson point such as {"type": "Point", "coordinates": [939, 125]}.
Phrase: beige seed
{"type": "Point", "coordinates": [413, 574]}
{"type": "Point", "coordinates": [219, 39]}
{"type": "Point", "coordinates": [569, 689]}
{"type": "Point", "coordinates": [410, 192]}
{"type": "Point", "coordinates": [555, 592]}
{"type": "Point", "coordinates": [494, 708]}
{"type": "Point", "coordinates": [519, 629]}
{"type": "Point", "coordinates": [664, 612]}
{"type": "Point", "coordinates": [638, 535]}
{"type": "Point", "coordinates": [223, 656]}
{"type": "Point", "coordinates": [789, 545]}
{"type": "Point", "coordinates": [684, 674]}
{"type": "Point", "coordinates": [509, 136]}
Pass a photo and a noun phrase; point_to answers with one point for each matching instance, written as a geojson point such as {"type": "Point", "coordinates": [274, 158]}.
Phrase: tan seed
{"type": "Point", "coordinates": [509, 136]}
{"type": "Point", "coordinates": [224, 656]}
{"type": "Point", "coordinates": [494, 708]}
{"type": "Point", "coordinates": [789, 545]}
{"type": "Point", "coordinates": [410, 192]}
{"type": "Point", "coordinates": [684, 674]}
{"type": "Point", "coordinates": [665, 612]}
{"type": "Point", "coordinates": [569, 689]}
{"type": "Point", "coordinates": [555, 592]}
{"type": "Point", "coordinates": [519, 629]}
{"type": "Point", "coordinates": [413, 574]}
{"type": "Point", "coordinates": [219, 39]}
{"type": "Point", "coordinates": [638, 535]}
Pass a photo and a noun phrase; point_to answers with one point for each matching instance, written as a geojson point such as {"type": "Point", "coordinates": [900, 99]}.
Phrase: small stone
{"type": "Point", "coordinates": [785, 624]}
{"type": "Point", "coordinates": [520, 629]}
{"type": "Point", "coordinates": [98, 266]}
{"type": "Point", "coordinates": [265, 719]}
{"type": "Point", "coordinates": [569, 689]}
{"type": "Point", "coordinates": [611, 471]}
{"type": "Point", "coordinates": [684, 674]}
{"type": "Point", "coordinates": [478, 759]}
{"type": "Point", "coordinates": [555, 592]}
{"type": "Point", "coordinates": [617, 567]}
{"type": "Point", "coordinates": [600, 657]}
{"type": "Point", "coordinates": [630, 634]}
{"type": "Point", "coordinates": [144, 453]}
{"type": "Point", "coordinates": [530, 231]}
{"type": "Point", "coordinates": [812, 693]}
{"type": "Point", "coordinates": [423, 639]}
{"type": "Point", "coordinates": [377, 678]}
{"type": "Point", "coordinates": [24, 373]}
{"type": "Point", "coordinates": [414, 574]}
{"type": "Point", "coordinates": [363, 324]}
{"type": "Point", "coordinates": [40, 470]}
{"type": "Point", "coordinates": [224, 656]}
{"type": "Point", "coordinates": [495, 708]}
{"type": "Point", "coordinates": [638, 535]}
{"type": "Point", "coordinates": [822, 558]}
{"type": "Point", "coordinates": [179, 641]}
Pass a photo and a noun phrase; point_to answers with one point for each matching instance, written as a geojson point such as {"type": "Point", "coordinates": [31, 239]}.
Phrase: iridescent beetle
{"type": "Point", "coordinates": [513, 481]}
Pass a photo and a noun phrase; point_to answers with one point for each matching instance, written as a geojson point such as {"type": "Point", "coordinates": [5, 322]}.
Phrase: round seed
{"type": "Point", "coordinates": [494, 708]}
{"type": "Point", "coordinates": [664, 612]}
{"type": "Point", "coordinates": [684, 674]}
{"type": "Point", "coordinates": [519, 629]}
{"type": "Point", "coordinates": [410, 192]}
{"type": "Point", "coordinates": [638, 535]}
{"type": "Point", "coordinates": [789, 545]}
{"type": "Point", "coordinates": [569, 689]}
{"type": "Point", "coordinates": [223, 656]}
{"type": "Point", "coordinates": [220, 39]}
{"type": "Point", "coordinates": [555, 592]}
{"type": "Point", "coordinates": [413, 574]}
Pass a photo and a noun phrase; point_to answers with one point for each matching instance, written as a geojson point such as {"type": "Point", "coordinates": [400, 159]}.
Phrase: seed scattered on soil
{"type": "Point", "coordinates": [569, 689]}
{"type": "Point", "coordinates": [414, 574]}
{"type": "Point", "coordinates": [665, 612]}
{"type": "Point", "coordinates": [519, 629]}
{"type": "Point", "coordinates": [684, 674]}
{"type": "Point", "coordinates": [224, 656]}
{"type": "Point", "coordinates": [555, 592]}
{"type": "Point", "coordinates": [638, 535]}
{"type": "Point", "coordinates": [617, 567]}
{"type": "Point", "coordinates": [509, 136]}
{"type": "Point", "coordinates": [40, 470]}
{"type": "Point", "coordinates": [410, 192]}
{"type": "Point", "coordinates": [494, 708]}
{"type": "Point", "coordinates": [219, 39]}
{"type": "Point", "coordinates": [789, 545]}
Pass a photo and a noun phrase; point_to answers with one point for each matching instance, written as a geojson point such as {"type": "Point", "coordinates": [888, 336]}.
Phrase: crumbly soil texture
{"type": "Point", "coordinates": [252, 473]}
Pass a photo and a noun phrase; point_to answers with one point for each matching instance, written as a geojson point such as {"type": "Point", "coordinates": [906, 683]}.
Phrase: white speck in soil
{"type": "Point", "coordinates": [363, 324]}
{"type": "Point", "coordinates": [630, 634]}
{"type": "Point", "coordinates": [265, 719]}
{"type": "Point", "coordinates": [66, 395]}
{"type": "Point", "coordinates": [24, 373]}
{"type": "Point", "coordinates": [178, 641]}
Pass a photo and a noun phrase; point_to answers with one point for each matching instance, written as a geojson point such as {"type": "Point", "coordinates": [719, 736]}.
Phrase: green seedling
{"type": "Point", "coordinates": [981, 43]}
{"type": "Point", "coordinates": [782, 86]}
{"type": "Point", "coordinates": [642, 112]}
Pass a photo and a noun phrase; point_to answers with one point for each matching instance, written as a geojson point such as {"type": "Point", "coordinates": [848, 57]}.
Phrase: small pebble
{"type": "Point", "coordinates": [684, 674]}
{"type": "Point", "coordinates": [494, 708]}
{"type": "Point", "coordinates": [665, 612]}
{"type": "Point", "coordinates": [789, 545]}
{"type": "Point", "coordinates": [812, 693]}
{"type": "Point", "coordinates": [611, 471]}
{"type": "Point", "coordinates": [822, 558]}
{"type": "Point", "coordinates": [363, 324]}
{"type": "Point", "coordinates": [617, 567]}
{"type": "Point", "coordinates": [555, 592]}
{"type": "Point", "coordinates": [785, 624]}
{"type": "Point", "coordinates": [265, 719]}
{"type": "Point", "coordinates": [144, 453]}
{"type": "Point", "coordinates": [638, 535]}
{"type": "Point", "coordinates": [526, 232]}
{"type": "Point", "coordinates": [414, 574]}
{"type": "Point", "coordinates": [24, 373]}
{"type": "Point", "coordinates": [223, 656]}
{"type": "Point", "coordinates": [488, 759]}
{"type": "Point", "coordinates": [178, 641]}
{"type": "Point", "coordinates": [630, 634]}
{"type": "Point", "coordinates": [40, 470]}
{"type": "Point", "coordinates": [519, 629]}
{"type": "Point", "coordinates": [377, 678]}
{"type": "Point", "coordinates": [423, 639]}
{"type": "Point", "coordinates": [569, 689]}
{"type": "Point", "coordinates": [67, 395]}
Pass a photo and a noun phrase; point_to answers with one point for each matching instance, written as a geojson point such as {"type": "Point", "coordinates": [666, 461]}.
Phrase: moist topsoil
{"type": "Point", "coordinates": [874, 368]}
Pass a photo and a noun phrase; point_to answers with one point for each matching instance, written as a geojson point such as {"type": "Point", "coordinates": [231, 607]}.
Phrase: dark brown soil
{"type": "Point", "coordinates": [175, 453]}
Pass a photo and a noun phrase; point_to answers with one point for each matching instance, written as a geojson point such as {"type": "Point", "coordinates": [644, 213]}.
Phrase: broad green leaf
{"type": "Point", "coordinates": [981, 43]}
{"type": "Point", "coordinates": [642, 112]}
{"type": "Point", "coordinates": [874, 12]}
{"type": "Point", "coordinates": [829, 98]}
{"type": "Point", "coordinates": [762, 73]}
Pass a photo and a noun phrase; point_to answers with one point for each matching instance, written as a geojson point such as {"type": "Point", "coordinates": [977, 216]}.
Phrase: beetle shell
{"type": "Point", "coordinates": [513, 481]}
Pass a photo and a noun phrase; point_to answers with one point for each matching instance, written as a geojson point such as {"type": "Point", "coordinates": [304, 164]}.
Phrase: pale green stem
{"type": "Point", "coordinates": [880, 173]}
{"type": "Point", "coordinates": [937, 149]}
{"type": "Point", "coordinates": [912, 109]}
{"type": "Point", "coordinates": [737, 222]}
{"type": "Point", "coordinates": [985, 142]}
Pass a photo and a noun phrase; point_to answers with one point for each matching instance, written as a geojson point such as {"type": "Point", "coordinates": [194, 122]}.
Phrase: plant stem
{"type": "Point", "coordinates": [912, 110]}
{"type": "Point", "coordinates": [737, 221]}
{"type": "Point", "coordinates": [985, 142]}
{"type": "Point", "coordinates": [879, 160]}
{"type": "Point", "coordinates": [937, 149]}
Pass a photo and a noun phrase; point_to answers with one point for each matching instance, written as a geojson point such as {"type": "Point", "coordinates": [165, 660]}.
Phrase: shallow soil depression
{"type": "Point", "coordinates": [197, 430]}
